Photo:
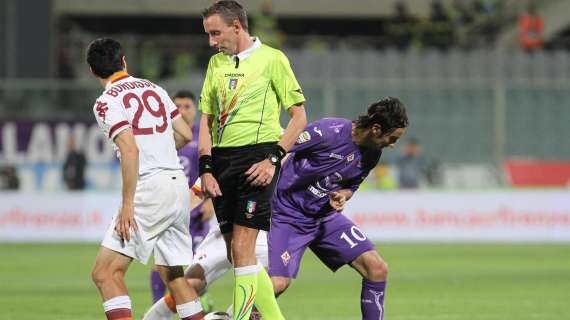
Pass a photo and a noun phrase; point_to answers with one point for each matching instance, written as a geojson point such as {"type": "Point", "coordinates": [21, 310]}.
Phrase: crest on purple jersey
{"type": "Point", "coordinates": [285, 257]}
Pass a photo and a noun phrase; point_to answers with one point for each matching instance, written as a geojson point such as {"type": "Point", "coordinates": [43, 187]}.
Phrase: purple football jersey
{"type": "Point", "coordinates": [324, 159]}
{"type": "Point", "coordinates": [189, 157]}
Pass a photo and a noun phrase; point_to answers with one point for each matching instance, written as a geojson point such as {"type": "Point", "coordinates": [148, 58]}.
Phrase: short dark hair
{"type": "Point", "coordinates": [389, 113]}
{"type": "Point", "coordinates": [185, 94]}
{"type": "Point", "coordinates": [229, 10]}
{"type": "Point", "coordinates": [105, 57]}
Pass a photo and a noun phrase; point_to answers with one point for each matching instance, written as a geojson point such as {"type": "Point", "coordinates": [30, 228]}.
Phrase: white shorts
{"type": "Point", "coordinates": [161, 208]}
{"type": "Point", "coordinates": [211, 254]}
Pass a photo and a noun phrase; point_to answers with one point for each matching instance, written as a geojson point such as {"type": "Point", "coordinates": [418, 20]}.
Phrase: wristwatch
{"type": "Point", "coordinates": [274, 159]}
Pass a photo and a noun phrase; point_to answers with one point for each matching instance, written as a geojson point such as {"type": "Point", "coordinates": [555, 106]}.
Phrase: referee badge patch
{"type": "Point", "coordinates": [304, 137]}
{"type": "Point", "coordinates": [233, 84]}
{"type": "Point", "coordinates": [251, 205]}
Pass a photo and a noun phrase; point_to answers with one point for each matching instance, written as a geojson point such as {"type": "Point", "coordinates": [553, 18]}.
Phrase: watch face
{"type": "Point", "coordinates": [273, 159]}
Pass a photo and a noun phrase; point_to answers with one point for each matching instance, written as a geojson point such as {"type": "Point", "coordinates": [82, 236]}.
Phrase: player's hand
{"type": "Point", "coordinates": [337, 200]}
{"type": "Point", "coordinates": [125, 222]}
{"type": "Point", "coordinates": [260, 174]}
{"type": "Point", "coordinates": [210, 186]}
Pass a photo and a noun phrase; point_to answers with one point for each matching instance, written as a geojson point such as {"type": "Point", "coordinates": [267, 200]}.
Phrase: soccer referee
{"type": "Point", "coordinates": [241, 145]}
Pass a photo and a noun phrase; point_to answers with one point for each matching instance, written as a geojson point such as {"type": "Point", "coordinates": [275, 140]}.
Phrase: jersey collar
{"type": "Point", "coordinates": [117, 76]}
{"type": "Point", "coordinates": [247, 52]}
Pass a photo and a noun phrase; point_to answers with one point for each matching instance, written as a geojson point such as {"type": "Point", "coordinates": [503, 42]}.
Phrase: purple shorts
{"type": "Point", "coordinates": [334, 239]}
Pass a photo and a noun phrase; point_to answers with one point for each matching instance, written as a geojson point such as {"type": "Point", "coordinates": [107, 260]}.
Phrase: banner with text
{"type": "Point", "coordinates": [512, 216]}
{"type": "Point", "coordinates": [517, 216]}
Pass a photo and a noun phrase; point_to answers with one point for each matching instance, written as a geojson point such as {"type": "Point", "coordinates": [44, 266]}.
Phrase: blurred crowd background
{"type": "Point", "coordinates": [486, 82]}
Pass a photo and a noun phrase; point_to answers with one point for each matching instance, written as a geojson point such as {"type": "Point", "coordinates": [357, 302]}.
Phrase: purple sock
{"type": "Point", "coordinates": [372, 300]}
{"type": "Point", "coordinates": [158, 287]}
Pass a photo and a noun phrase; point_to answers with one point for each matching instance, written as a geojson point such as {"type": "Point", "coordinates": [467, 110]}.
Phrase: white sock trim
{"type": "Point", "coordinates": [120, 302]}
{"type": "Point", "coordinates": [247, 270]}
{"type": "Point", "coordinates": [189, 308]}
{"type": "Point", "coordinates": [159, 310]}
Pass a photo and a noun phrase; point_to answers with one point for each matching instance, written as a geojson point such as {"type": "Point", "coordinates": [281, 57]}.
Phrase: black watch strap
{"type": "Point", "coordinates": [276, 155]}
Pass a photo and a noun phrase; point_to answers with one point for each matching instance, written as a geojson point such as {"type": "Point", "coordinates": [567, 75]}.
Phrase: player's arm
{"type": "Point", "coordinates": [207, 210]}
{"type": "Point", "coordinates": [261, 173]}
{"type": "Point", "coordinates": [125, 141]}
{"type": "Point", "coordinates": [210, 186]}
{"type": "Point", "coordinates": [295, 126]}
{"type": "Point", "coordinates": [291, 97]}
{"type": "Point", "coordinates": [182, 132]}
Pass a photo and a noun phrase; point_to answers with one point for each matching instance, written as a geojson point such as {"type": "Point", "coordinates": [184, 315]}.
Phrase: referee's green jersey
{"type": "Point", "coordinates": [245, 95]}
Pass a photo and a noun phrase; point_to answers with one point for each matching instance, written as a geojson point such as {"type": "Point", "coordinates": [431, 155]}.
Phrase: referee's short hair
{"type": "Point", "coordinates": [229, 10]}
{"type": "Point", "coordinates": [105, 57]}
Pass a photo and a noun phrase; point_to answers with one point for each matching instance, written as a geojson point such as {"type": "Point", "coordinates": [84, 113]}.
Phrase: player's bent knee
{"type": "Point", "coordinates": [280, 284]}
{"type": "Point", "coordinates": [100, 276]}
{"type": "Point", "coordinates": [377, 270]}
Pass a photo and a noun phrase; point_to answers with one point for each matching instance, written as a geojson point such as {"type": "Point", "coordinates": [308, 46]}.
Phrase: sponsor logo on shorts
{"type": "Point", "coordinates": [285, 257]}
{"type": "Point", "coordinates": [350, 157]}
{"type": "Point", "coordinates": [304, 137]}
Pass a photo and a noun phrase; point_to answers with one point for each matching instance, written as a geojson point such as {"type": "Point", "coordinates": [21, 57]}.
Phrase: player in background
{"type": "Point", "coordinates": [202, 210]}
{"type": "Point", "coordinates": [246, 85]}
{"type": "Point", "coordinates": [140, 120]}
{"type": "Point", "coordinates": [325, 167]}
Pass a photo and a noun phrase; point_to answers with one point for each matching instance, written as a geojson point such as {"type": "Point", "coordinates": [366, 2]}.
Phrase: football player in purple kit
{"type": "Point", "coordinates": [325, 167]}
{"type": "Point", "coordinates": [202, 211]}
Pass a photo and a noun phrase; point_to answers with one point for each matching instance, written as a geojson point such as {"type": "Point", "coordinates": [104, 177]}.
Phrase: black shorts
{"type": "Point", "coordinates": [241, 203]}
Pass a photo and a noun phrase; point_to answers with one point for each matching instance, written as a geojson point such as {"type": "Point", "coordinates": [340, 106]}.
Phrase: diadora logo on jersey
{"type": "Point", "coordinates": [299, 91]}
{"type": "Point", "coordinates": [304, 137]}
{"type": "Point", "coordinates": [233, 84]}
{"type": "Point", "coordinates": [251, 205]}
{"type": "Point", "coordinates": [285, 257]}
{"type": "Point", "coordinates": [101, 109]}
{"type": "Point", "coordinates": [336, 156]}
{"type": "Point", "coordinates": [318, 131]}
{"type": "Point", "coordinates": [350, 157]}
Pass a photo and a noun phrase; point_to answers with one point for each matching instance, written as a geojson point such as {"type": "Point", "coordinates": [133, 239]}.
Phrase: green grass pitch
{"type": "Point", "coordinates": [426, 281]}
